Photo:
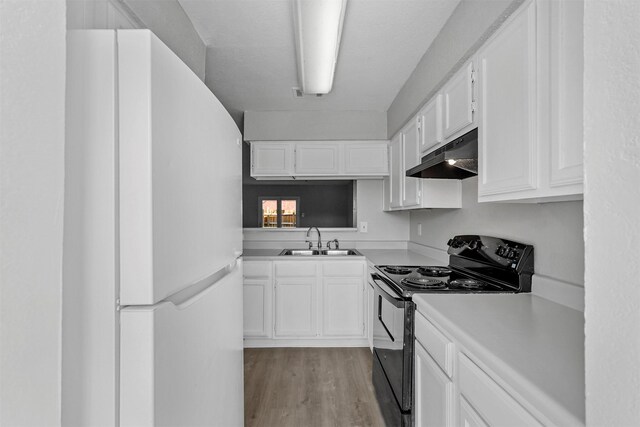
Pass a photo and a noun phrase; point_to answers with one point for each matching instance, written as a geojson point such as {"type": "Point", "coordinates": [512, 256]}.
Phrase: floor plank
{"type": "Point", "coordinates": [302, 387]}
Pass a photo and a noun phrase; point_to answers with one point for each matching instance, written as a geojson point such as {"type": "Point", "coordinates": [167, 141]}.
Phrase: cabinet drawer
{"type": "Point", "coordinates": [439, 346]}
{"type": "Point", "coordinates": [492, 402]}
{"type": "Point", "coordinates": [342, 269]}
{"type": "Point", "coordinates": [295, 269]}
{"type": "Point", "coordinates": [257, 269]}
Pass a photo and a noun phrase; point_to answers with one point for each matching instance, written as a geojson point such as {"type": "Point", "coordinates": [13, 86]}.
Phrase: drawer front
{"type": "Point", "coordinates": [492, 402]}
{"type": "Point", "coordinates": [257, 269]}
{"type": "Point", "coordinates": [435, 342]}
{"type": "Point", "coordinates": [343, 269]}
{"type": "Point", "coordinates": [295, 269]}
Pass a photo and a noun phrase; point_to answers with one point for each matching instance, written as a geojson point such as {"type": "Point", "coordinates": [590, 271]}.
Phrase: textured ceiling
{"type": "Point", "coordinates": [251, 61]}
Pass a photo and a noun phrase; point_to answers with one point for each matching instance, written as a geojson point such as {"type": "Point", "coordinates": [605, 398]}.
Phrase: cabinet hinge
{"type": "Point", "coordinates": [473, 76]}
{"type": "Point", "coordinates": [474, 106]}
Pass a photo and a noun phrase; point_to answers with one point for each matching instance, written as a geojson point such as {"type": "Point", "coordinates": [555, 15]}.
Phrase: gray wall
{"type": "Point", "coordinates": [555, 229]}
{"type": "Point", "coordinates": [321, 205]}
{"type": "Point", "coordinates": [170, 23]}
{"type": "Point", "coordinates": [314, 125]}
{"type": "Point", "coordinates": [471, 23]}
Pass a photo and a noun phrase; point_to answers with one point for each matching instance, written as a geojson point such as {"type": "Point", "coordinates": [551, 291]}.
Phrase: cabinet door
{"type": "Point", "coordinates": [317, 159]}
{"type": "Point", "coordinates": [431, 124]}
{"type": "Point", "coordinates": [507, 150]}
{"type": "Point", "coordinates": [342, 302]}
{"type": "Point", "coordinates": [295, 307]}
{"type": "Point", "coordinates": [433, 392]}
{"type": "Point", "coordinates": [410, 158]}
{"type": "Point", "coordinates": [257, 308]}
{"type": "Point", "coordinates": [566, 94]}
{"type": "Point", "coordinates": [458, 101]}
{"type": "Point", "coordinates": [366, 158]}
{"type": "Point", "coordinates": [468, 416]}
{"type": "Point", "coordinates": [269, 158]}
{"type": "Point", "coordinates": [396, 177]}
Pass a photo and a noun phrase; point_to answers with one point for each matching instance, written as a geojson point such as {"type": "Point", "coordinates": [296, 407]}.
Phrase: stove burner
{"type": "Point", "coordinates": [467, 284]}
{"type": "Point", "coordinates": [435, 271]}
{"type": "Point", "coordinates": [423, 283]}
{"type": "Point", "coordinates": [396, 269]}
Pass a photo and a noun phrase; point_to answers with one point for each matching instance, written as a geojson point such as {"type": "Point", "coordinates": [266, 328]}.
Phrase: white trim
{"type": "Point", "coordinates": [558, 291]}
{"type": "Point", "coordinates": [309, 342]}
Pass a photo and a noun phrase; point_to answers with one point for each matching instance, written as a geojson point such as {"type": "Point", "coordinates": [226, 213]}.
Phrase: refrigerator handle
{"type": "Point", "coordinates": [191, 294]}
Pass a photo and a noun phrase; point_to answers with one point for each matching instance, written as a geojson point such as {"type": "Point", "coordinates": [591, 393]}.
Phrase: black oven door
{"type": "Point", "coordinates": [393, 340]}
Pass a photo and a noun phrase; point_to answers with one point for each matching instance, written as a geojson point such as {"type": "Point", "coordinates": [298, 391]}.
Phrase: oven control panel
{"type": "Point", "coordinates": [493, 251]}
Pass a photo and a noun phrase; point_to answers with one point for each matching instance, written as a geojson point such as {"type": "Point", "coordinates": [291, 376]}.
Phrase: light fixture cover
{"type": "Point", "coordinates": [318, 28]}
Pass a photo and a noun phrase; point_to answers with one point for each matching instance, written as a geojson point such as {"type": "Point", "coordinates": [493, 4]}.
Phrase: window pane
{"type": "Point", "coordinates": [289, 213]}
{"type": "Point", "coordinates": [269, 213]}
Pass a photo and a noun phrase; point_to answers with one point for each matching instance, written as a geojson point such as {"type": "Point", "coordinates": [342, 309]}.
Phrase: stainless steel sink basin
{"type": "Point", "coordinates": [300, 252]}
{"type": "Point", "coordinates": [340, 252]}
{"type": "Point", "coordinates": [328, 252]}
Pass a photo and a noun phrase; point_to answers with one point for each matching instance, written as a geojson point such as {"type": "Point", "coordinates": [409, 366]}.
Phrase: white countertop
{"type": "Point", "coordinates": [535, 345]}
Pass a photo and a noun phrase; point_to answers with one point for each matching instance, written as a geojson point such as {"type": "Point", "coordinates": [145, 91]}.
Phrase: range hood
{"type": "Point", "coordinates": [456, 160]}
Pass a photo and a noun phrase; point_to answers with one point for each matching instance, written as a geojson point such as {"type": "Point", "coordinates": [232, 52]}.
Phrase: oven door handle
{"type": "Point", "coordinates": [382, 321]}
{"type": "Point", "coordinates": [382, 286]}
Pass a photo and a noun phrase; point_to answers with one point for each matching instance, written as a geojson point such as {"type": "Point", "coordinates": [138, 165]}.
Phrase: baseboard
{"type": "Point", "coordinates": [565, 293]}
{"type": "Point", "coordinates": [312, 342]}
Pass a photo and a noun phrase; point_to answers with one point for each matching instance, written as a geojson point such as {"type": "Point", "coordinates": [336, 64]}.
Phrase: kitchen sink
{"type": "Point", "coordinates": [327, 252]}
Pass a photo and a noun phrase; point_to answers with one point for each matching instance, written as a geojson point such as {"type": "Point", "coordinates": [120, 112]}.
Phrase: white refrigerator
{"type": "Point", "coordinates": [152, 295]}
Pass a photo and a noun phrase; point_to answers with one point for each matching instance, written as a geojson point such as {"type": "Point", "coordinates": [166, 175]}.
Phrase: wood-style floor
{"type": "Point", "coordinates": [305, 387]}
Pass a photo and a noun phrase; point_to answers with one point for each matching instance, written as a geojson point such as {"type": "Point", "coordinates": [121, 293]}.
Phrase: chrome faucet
{"type": "Point", "coordinates": [309, 241]}
{"type": "Point", "coordinates": [333, 241]}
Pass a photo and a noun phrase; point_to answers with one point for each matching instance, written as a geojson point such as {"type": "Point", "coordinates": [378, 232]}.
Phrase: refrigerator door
{"type": "Point", "coordinates": [181, 364]}
{"type": "Point", "coordinates": [180, 174]}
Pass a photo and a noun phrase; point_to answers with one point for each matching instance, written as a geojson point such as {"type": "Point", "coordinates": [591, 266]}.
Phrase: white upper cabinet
{"type": "Point", "coordinates": [319, 159]}
{"type": "Point", "coordinates": [410, 158]}
{"type": "Point", "coordinates": [507, 89]}
{"type": "Point", "coordinates": [430, 118]}
{"type": "Point", "coordinates": [458, 102]}
{"type": "Point", "coordinates": [396, 173]}
{"type": "Point", "coordinates": [366, 158]}
{"type": "Point", "coordinates": [272, 159]}
{"type": "Point", "coordinates": [402, 192]}
{"type": "Point", "coordinates": [530, 94]}
{"type": "Point", "coordinates": [567, 66]}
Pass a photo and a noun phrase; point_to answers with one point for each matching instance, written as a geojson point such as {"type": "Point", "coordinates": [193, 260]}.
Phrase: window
{"type": "Point", "coordinates": [279, 212]}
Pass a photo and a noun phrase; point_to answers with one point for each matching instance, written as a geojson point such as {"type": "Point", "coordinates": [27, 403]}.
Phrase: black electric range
{"type": "Point", "coordinates": [477, 264]}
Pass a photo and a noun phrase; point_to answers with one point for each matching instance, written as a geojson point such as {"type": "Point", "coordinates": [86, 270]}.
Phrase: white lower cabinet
{"type": "Point", "coordinates": [342, 306]}
{"type": "Point", "coordinates": [257, 292]}
{"type": "Point", "coordinates": [451, 389]}
{"type": "Point", "coordinates": [295, 307]}
{"type": "Point", "coordinates": [433, 392]}
{"type": "Point", "coordinates": [310, 303]}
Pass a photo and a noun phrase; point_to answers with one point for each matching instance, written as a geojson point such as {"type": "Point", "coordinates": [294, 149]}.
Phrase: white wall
{"type": "Point", "coordinates": [555, 230]}
{"type": "Point", "coordinates": [385, 229]}
{"type": "Point", "coordinates": [32, 90]}
{"type": "Point", "coordinates": [612, 211]}
{"type": "Point", "coordinates": [165, 18]}
{"type": "Point", "coordinates": [314, 125]}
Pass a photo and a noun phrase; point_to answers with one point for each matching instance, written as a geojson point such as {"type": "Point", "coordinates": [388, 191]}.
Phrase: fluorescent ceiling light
{"type": "Point", "coordinates": [318, 28]}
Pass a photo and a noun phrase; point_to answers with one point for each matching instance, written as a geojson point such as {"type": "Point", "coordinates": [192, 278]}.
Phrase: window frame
{"type": "Point", "coordinates": [278, 200]}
